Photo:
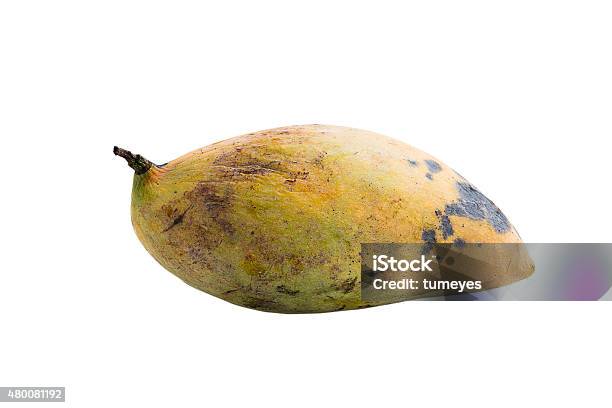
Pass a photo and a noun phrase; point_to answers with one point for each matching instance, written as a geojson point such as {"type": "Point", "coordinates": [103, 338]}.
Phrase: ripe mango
{"type": "Point", "coordinates": [273, 220]}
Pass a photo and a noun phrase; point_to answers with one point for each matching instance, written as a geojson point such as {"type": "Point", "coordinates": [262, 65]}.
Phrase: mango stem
{"type": "Point", "coordinates": [135, 161]}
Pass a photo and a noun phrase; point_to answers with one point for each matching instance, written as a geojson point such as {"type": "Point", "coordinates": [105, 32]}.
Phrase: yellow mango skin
{"type": "Point", "coordinates": [273, 220]}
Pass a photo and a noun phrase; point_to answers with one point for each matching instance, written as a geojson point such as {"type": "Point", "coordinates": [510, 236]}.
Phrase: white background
{"type": "Point", "coordinates": [515, 95]}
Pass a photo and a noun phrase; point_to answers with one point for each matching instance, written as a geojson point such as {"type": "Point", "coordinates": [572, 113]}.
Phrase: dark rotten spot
{"type": "Point", "coordinates": [459, 243]}
{"type": "Point", "coordinates": [474, 205]}
{"type": "Point", "coordinates": [429, 236]}
{"type": "Point", "coordinates": [445, 226]}
{"type": "Point", "coordinates": [429, 176]}
{"type": "Point", "coordinates": [413, 163]}
{"type": "Point", "coordinates": [433, 166]}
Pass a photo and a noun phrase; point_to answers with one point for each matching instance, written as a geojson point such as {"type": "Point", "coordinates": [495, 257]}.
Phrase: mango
{"type": "Point", "coordinates": [274, 220]}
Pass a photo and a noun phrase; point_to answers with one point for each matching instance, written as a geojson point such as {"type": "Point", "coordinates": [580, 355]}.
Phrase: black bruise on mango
{"type": "Point", "coordinates": [476, 206]}
{"type": "Point", "coordinates": [413, 163]}
{"type": "Point", "coordinates": [429, 236]}
{"type": "Point", "coordinates": [429, 176]}
{"type": "Point", "coordinates": [433, 166]}
{"type": "Point", "coordinates": [445, 225]}
{"type": "Point", "coordinates": [459, 243]}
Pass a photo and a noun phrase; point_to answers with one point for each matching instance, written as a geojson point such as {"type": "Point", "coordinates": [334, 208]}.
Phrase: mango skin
{"type": "Point", "coordinates": [273, 220]}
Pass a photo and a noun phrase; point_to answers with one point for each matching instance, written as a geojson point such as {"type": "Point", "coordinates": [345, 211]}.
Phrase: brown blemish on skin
{"type": "Point", "coordinates": [348, 285]}
{"type": "Point", "coordinates": [298, 175]}
{"type": "Point", "coordinates": [252, 266]}
{"type": "Point", "coordinates": [212, 200]}
{"type": "Point", "coordinates": [252, 169]}
{"type": "Point", "coordinates": [286, 290]}
{"type": "Point", "coordinates": [295, 176]}
{"type": "Point", "coordinates": [241, 162]}
{"type": "Point", "coordinates": [177, 220]}
{"type": "Point", "coordinates": [318, 160]}
{"type": "Point", "coordinates": [208, 201]}
{"type": "Point", "coordinates": [262, 304]}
